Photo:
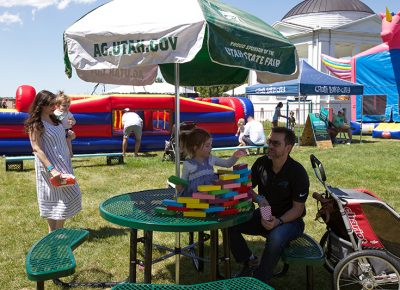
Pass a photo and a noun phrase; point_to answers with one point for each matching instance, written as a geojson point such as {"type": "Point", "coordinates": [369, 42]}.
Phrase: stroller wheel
{"type": "Point", "coordinates": [367, 269]}
{"type": "Point", "coordinates": [324, 245]}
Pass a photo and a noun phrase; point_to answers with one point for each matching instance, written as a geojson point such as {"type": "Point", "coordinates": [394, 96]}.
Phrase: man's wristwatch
{"type": "Point", "coordinates": [280, 221]}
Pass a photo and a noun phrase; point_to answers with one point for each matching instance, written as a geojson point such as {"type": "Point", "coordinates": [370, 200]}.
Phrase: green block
{"type": "Point", "coordinates": [220, 191]}
{"type": "Point", "coordinates": [242, 204]}
{"type": "Point", "coordinates": [178, 181]}
{"type": "Point", "coordinates": [163, 211]}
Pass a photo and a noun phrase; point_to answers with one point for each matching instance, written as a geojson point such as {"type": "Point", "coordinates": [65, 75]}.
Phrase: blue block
{"type": "Point", "coordinates": [242, 179]}
{"type": "Point", "coordinates": [228, 194]}
{"type": "Point", "coordinates": [242, 171]}
{"type": "Point", "coordinates": [172, 203]}
{"type": "Point", "coordinates": [214, 209]}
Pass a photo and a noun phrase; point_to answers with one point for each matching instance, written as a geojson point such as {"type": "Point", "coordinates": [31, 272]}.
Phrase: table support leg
{"type": "Point", "coordinates": [177, 257]}
{"type": "Point", "coordinates": [227, 257]}
{"type": "Point", "coordinates": [213, 254]}
{"type": "Point", "coordinates": [148, 255]}
{"type": "Point", "coordinates": [133, 256]}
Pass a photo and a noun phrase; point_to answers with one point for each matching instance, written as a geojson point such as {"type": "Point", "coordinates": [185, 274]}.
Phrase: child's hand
{"type": "Point", "coordinates": [71, 134]}
{"type": "Point", "coordinates": [239, 153]}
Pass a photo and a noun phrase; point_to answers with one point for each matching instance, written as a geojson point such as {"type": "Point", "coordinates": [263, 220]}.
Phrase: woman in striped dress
{"type": "Point", "coordinates": [52, 158]}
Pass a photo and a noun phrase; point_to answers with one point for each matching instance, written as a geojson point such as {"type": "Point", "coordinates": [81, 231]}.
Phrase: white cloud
{"type": "Point", "coordinates": [9, 19]}
{"type": "Point", "coordinates": [41, 4]}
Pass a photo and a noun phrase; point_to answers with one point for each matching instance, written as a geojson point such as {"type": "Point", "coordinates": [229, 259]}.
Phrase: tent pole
{"type": "Point", "coordinates": [298, 123]}
{"type": "Point", "coordinates": [362, 105]}
{"type": "Point", "coordinates": [177, 165]}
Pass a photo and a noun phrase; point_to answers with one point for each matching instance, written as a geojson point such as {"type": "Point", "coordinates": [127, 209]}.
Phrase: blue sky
{"type": "Point", "coordinates": [31, 32]}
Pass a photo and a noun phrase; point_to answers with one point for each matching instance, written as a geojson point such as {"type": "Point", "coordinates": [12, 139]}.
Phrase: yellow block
{"type": "Point", "coordinates": [229, 176]}
{"type": "Point", "coordinates": [223, 171]}
{"type": "Point", "coordinates": [199, 205]}
{"type": "Point", "coordinates": [194, 213]}
{"type": "Point", "coordinates": [188, 200]}
{"type": "Point", "coordinates": [208, 187]}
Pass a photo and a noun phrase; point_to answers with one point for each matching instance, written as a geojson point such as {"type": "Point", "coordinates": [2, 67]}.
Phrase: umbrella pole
{"type": "Point", "coordinates": [177, 165]}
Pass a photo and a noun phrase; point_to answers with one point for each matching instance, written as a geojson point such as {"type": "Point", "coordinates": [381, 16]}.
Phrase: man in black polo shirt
{"type": "Point", "coordinates": [283, 184]}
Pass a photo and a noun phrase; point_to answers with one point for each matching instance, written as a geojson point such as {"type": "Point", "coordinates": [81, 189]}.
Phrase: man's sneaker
{"type": "Point", "coordinates": [248, 268]}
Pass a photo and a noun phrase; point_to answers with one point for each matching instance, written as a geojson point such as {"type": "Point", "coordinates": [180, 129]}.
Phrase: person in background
{"type": "Point", "coordinates": [63, 102]}
{"type": "Point", "coordinates": [282, 184]}
{"type": "Point", "coordinates": [52, 158]}
{"type": "Point", "coordinates": [253, 134]}
{"type": "Point", "coordinates": [240, 131]}
{"type": "Point", "coordinates": [340, 125]}
{"type": "Point", "coordinates": [132, 123]}
{"type": "Point", "coordinates": [199, 168]}
{"type": "Point", "coordinates": [292, 120]}
{"type": "Point", "coordinates": [277, 114]}
{"type": "Point", "coordinates": [4, 103]}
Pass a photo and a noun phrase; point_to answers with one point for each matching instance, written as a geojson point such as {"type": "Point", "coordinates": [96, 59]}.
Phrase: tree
{"type": "Point", "coordinates": [213, 91]}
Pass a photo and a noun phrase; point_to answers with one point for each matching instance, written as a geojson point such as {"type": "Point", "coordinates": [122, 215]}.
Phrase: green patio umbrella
{"type": "Point", "coordinates": [193, 42]}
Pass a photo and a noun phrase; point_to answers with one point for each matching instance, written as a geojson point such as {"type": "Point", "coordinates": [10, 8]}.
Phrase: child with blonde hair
{"type": "Point", "coordinates": [63, 102]}
{"type": "Point", "coordinates": [240, 131]}
{"type": "Point", "coordinates": [291, 120]}
{"type": "Point", "coordinates": [199, 168]}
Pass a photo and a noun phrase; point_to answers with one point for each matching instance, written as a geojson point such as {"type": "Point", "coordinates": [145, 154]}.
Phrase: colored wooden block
{"type": "Point", "coordinates": [214, 209]}
{"type": "Point", "coordinates": [231, 185]}
{"type": "Point", "coordinates": [178, 181]}
{"type": "Point", "coordinates": [230, 203]}
{"type": "Point", "coordinates": [222, 182]}
{"type": "Point", "coordinates": [172, 202]}
{"type": "Point", "coordinates": [194, 213]}
{"type": "Point", "coordinates": [224, 171]}
{"type": "Point", "coordinates": [239, 166]}
{"type": "Point", "coordinates": [229, 211]}
{"type": "Point", "coordinates": [241, 196]}
{"type": "Point", "coordinates": [164, 211]}
{"type": "Point", "coordinates": [187, 200]}
{"type": "Point", "coordinates": [219, 200]}
{"type": "Point", "coordinates": [208, 187]}
{"type": "Point", "coordinates": [242, 171]}
{"type": "Point", "coordinates": [242, 179]}
{"type": "Point", "coordinates": [177, 208]}
{"type": "Point", "coordinates": [200, 205]}
{"type": "Point", "coordinates": [247, 173]}
{"type": "Point", "coordinates": [244, 188]}
{"type": "Point", "coordinates": [245, 203]}
{"type": "Point", "coordinates": [228, 194]}
{"type": "Point", "coordinates": [229, 176]}
{"type": "Point", "coordinates": [202, 195]}
{"type": "Point", "coordinates": [221, 191]}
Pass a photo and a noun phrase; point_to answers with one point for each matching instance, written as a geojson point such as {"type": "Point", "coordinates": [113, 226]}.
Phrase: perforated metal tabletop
{"type": "Point", "coordinates": [136, 210]}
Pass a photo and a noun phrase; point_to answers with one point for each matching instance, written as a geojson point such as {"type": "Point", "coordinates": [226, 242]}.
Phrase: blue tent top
{"type": "Point", "coordinates": [310, 82]}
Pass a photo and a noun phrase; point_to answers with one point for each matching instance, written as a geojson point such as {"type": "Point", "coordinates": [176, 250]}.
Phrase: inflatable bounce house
{"type": "Point", "coordinates": [378, 69]}
{"type": "Point", "coordinates": [99, 129]}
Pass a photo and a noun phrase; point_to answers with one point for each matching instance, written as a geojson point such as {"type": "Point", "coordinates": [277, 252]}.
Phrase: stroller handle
{"type": "Point", "coordinates": [320, 173]}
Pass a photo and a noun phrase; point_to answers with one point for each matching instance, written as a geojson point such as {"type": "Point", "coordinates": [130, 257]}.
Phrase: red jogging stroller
{"type": "Point", "coordinates": [169, 149]}
{"type": "Point", "coordinates": [362, 241]}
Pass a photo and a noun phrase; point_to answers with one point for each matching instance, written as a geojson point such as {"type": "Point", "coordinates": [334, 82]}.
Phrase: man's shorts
{"type": "Point", "coordinates": [137, 130]}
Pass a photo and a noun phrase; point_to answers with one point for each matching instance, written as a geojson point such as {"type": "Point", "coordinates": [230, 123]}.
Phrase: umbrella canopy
{"type": "Point", "coordinates": [124, 41]}
{"type": "Point", "coordinates": [156, 88]}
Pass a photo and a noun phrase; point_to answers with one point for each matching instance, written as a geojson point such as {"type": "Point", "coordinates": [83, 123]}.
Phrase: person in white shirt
{"type": "Point", "coordinates": [253, 134]}
{"type": "Point", "coordinates": [132, 123]}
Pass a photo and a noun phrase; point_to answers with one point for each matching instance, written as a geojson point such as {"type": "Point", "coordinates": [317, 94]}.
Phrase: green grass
{"type": "Point", "coordinates": [372, 165]}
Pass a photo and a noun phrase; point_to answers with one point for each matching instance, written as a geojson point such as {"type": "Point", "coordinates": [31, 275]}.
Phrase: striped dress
{"type": "Point", "coordinates": [56, 203]}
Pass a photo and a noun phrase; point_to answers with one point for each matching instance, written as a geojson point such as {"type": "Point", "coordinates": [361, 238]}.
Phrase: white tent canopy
{"type": "Point", "coordinates": [155, 88]}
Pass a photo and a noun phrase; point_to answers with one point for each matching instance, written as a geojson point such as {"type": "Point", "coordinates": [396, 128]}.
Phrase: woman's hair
{"type": "Point", "coordinates": [34, 121]}
{"type": "Point", "coordinates": [192, 140]}
{"type": "Point", "coordinates": [241, 121]}
{"type": "Point", "coordinates": [62, 97]}
{"type": "Point", "coordinates": [280, 105]}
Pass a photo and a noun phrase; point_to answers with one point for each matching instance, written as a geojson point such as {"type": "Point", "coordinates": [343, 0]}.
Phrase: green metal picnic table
{"type": "Point", "coordinates": [135, 210]}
